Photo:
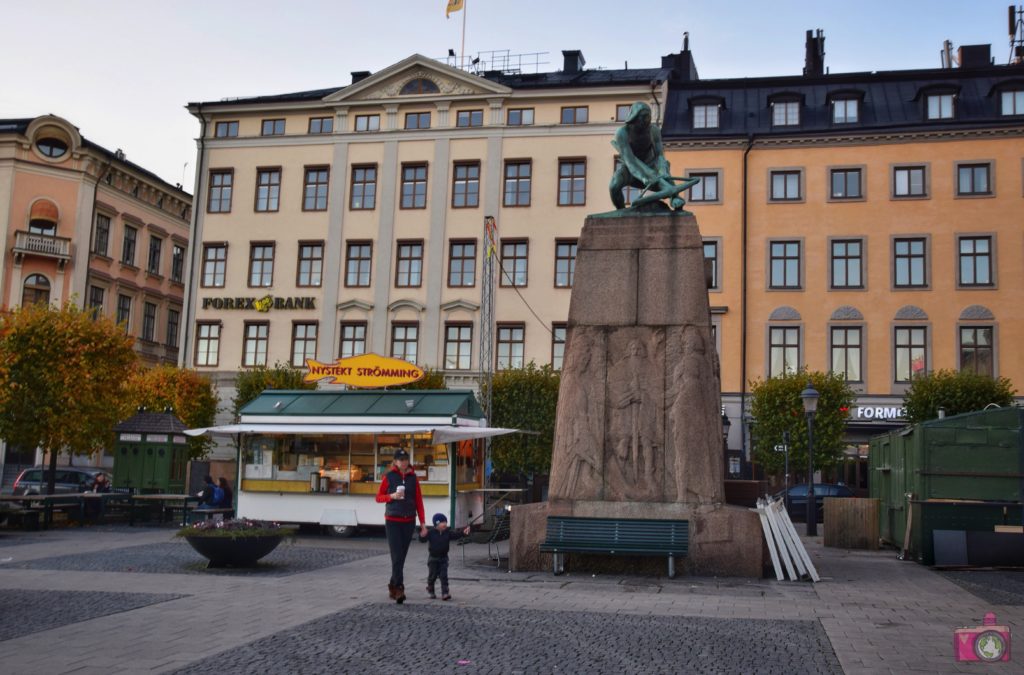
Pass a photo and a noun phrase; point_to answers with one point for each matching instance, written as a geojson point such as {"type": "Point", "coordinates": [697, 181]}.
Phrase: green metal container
{"type": "Point", "coordinates": [150, 454]}
{"type": "Point", "coordinates": [964, 472]}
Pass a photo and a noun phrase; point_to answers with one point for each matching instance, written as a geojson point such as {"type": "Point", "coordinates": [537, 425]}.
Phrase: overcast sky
{"type": "Point", "coordinates": [122, 71]}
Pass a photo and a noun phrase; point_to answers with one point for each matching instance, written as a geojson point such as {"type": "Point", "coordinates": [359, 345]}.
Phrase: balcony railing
{"type": "Point", "coordinates": [42, 244]}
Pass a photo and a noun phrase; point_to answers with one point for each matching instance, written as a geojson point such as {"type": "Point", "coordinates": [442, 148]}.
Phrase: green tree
{"type": "Point", "coordinates": [190, 395]}
{"type": "Point", "coordinates": [250, 383]}
{"type": "Point", "coordinates": [62, 377]}
{"type": "Point", "coordinates": [957, 392]}
{"type": "Point", "coordinates": [524, 398]}
{"type": "Point", "coordinates": [777, 408]}
{"type": "Point", "coordinates": [432, 379]}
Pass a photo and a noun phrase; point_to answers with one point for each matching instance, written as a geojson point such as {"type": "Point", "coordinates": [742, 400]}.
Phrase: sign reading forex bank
{"type": "Point", "coordinates": [365, 370]}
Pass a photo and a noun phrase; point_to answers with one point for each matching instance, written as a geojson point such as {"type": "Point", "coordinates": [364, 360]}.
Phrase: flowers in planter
{"type": "Point", "coordinates": [235, 528]}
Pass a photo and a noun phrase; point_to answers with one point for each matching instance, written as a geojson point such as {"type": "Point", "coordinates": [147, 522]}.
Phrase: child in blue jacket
{"type": "Point", "coordinates": [439, 539]}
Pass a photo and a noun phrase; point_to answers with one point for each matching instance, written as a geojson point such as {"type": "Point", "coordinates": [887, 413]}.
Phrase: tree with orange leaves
{"type": "Point", "coordinates": [185, 392]}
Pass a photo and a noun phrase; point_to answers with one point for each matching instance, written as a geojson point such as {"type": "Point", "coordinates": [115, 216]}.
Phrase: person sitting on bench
{"type": "Point", "coordinates": [211, 494]}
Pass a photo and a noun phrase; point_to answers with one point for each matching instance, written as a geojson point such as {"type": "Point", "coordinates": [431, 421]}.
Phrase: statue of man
{"type": "Point", "coordinates": [643, 164]}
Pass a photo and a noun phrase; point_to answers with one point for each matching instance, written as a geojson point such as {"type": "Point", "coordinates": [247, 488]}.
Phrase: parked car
{"type": "Point", "coordinates": [69, 479]}
{"type": "Point", "coordinates": [797, 503]}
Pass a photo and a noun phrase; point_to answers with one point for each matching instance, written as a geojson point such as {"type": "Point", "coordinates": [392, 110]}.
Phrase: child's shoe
{"type": "Point", "coordinates": [446, 596]}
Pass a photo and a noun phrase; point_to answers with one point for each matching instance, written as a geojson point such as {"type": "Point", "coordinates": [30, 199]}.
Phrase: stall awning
{"type": "Point", "coordinates": [441, 433]}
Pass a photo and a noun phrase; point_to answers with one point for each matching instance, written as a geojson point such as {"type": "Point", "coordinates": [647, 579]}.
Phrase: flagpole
{"type": "Point", "coordinates": [462, 50]}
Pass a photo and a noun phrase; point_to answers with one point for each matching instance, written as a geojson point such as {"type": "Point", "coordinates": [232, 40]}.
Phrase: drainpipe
{"type": "Point", "coordinates": [743, 303]}
{"type": "Point", "coordinates": [197, 203]}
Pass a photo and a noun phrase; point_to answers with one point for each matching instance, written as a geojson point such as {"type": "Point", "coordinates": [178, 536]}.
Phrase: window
{"type": "Point", "coordinates": [156, 245]}
{"type": "Point", "coordinates": [785, 264]}
{"type": "Point", "coordinates": [705, 116]}
{"type": "Point", "coordinates": [845, 110]}
{"type": "Point", "coordinates": [314, 193]}
{"type": "Point", "coordinates": [420, 85]}
{"type": "Point", "coordinates": [220, 192]}
{"type": "Point", "coordinates": [910, 352]}
{"type": "Point", "coordinates": [466, 186]}
{"type": "Point", "coordinates": [909, 181]}
{"type": "Point", "coordinates": [303, 343]}
{"type": "Point", "coordinates": [414, 186]}
{"type": "Point", "coordinates": [257, 336]}
{"type": "Point", "coordinates": [847, 263]}
{"type": "Point", "coordinates": [511, 346]}
{"type": "Point", "coordinates": [458, 346]}
{"type": "Point", "coordinates": [565, 262]}
{"type": "Point", "coordinates": [417, 120]}
{"type": "Point", "coordinates": [514, 263]}
{"type": "Point", "coordinates": [519, 117]}
{"type": "Point", "coordinates": [173, 320]}
{"type": "Point", "coordinates": [909, 262]}
{"type": "Point", "coordinates": [575, 115]}
{"type": "Point", "coordinates": [215, 262]}
{"type": "Point", "coordinates": [311, 264]}
{"type": "Point", "coordinates": [268, 189]}
{"type": "Point", "coordinates": [404, 338]}
{"type": "Point", "coordinates": [846, 184]}
{"type": "Point", "coordinates": [706, 190]}
{"type": "Point", "coordinates": [148, 321]}
{"type": "Point", "coordinates": [367, 122]}
{"type": "Point", "coordinates": [558, 333]}
{"type": "Point", "coordinates": [622, 111]}
{"type": "Point", "coordinates": [409, 271]}
{"type": "Point", "coordinates": [357, 264]}
{"type": "Point", "coordinates": [124, 311]}
{"type": "Point", "coordinates": [940, 107]}
{"type": "Point", "coordinates": [461, 264]}
{"type": "Point", "coordinates": [177, 263]}
{"type": "Point", "coordinates": [207, 344]}
{"type": "Point", "coordinates": [711, 253]}
{"type": "Point", "coordinates": [1012, 102]}
{"type": "Point", "coordinates": [35, 290]}
{"type": "Point", "coordinates": [321, 125]}
{"type": "Point", "coordinates": [128, 245]}
{"type": "Point", "coordinates": [353, 338]}
{"type": "Point", "coordinates": [975, 261]}
{"type": "Point", "coordinates": [973, 179]}
{"type": "Point", "coordinates": [469, 118]}
{"type": "Point", "coordinates": [226, 129]}
{"type": "Point", "coordinates": [784, 351]}
{"type": "Point", "coordinates": [846, 353]}
{"type": "Point", "coordinates": [101, 237]}
{"type": "Point", "coordinates": [517, 183]}
{"type": "Point", "coordinates": [261, 265]}
{"type": "Point", "coordinates": [785, 186]}
{"type": "Point", "coordinates": [51, 147]}
{"type": "Point", "coordinates": [96, 294]}
{"type": "Point", "coordinates": [572, 182]}
{"type": "Point", "coordinates": [364, 188]}
{"type": "Point", "coordinates": [272, 128]}
{"type": "Point", "coordinates": [976, 352]}
{"type": "Point", "coordinates": [785, 113]}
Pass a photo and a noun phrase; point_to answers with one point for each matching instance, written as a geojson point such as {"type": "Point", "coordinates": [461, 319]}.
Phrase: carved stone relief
{"type": "Point", "coordinates": [393, 87]}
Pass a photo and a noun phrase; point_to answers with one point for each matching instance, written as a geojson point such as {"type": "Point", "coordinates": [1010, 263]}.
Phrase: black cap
{"type": "Point", "coordinates": [401, 454]}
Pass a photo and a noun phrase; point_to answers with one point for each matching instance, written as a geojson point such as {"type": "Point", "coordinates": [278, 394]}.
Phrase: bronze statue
{"type": "Point", "coordinates": [643, 164]}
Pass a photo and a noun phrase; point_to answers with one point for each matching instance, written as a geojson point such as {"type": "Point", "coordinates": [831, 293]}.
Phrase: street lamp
{"type": "Point", "coordinates": [810, 397]}
{"type": "Point", "coordinates": [726, 424]}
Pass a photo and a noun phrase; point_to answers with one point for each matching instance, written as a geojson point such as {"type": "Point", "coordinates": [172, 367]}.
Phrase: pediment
{"type": "Point", "coordinates": [387, 84]}
{"type": "Point", "coordinates": [460, 304]}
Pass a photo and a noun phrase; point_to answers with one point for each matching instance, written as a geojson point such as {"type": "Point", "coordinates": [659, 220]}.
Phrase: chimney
{"type": "Point", "coordinates": [974, 56]}
{"type": "Point", "coordinates": [814, 60]}
{"type": "Point", "coordinates": [360, 75]}
{"type": "Point", "coordinates": [574, 60]}
{"type": "Point", "coordinates": [682, 66]}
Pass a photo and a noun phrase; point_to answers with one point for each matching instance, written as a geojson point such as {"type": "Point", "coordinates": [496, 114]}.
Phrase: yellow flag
{"type": "Point", "coordinates": [453, 6]}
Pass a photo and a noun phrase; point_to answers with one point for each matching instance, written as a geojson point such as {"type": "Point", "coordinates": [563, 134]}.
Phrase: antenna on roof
{"type": "Point", "coordinates": [1015, 15]}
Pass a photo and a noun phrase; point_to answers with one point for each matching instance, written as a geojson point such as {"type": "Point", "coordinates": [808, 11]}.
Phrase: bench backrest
{"type": "Point", "coordinates": [621, 533]}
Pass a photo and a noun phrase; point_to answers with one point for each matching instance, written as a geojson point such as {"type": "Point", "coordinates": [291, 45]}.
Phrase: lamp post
{"type": "Point", "coordinates": [726, 424]}
{"type": "Point", "coordinates": [810, 396]}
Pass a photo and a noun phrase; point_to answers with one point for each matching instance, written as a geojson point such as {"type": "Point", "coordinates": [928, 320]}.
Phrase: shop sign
{"type": "Point", "coordinates": [365, 370]}
{"type": "Point", "coordinates": [264, 304]}
{"type": "Point", "coordinates": [880, 412]}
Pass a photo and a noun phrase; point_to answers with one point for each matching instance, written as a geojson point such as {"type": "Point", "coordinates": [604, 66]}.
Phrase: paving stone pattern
{"type": "Point", "coordinates": [438, 637]}
{"type": "Point", "coordinates": [999, 587]}
{"type": "Point", "coordinates": [179, 558]}
{"type": "Point", "coordinates": [26, 612]}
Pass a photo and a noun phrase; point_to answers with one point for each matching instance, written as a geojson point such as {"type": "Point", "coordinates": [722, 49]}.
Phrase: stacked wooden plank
{"type": "Point", "coordinates": [787, 551]}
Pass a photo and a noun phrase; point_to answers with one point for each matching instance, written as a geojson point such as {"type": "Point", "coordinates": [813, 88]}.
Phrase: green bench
{"type": "Point", "coordinates": [616, 536]}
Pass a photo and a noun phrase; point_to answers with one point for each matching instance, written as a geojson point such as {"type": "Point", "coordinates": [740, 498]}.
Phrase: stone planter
{"type": "Point", "coordinates": [234, 551]}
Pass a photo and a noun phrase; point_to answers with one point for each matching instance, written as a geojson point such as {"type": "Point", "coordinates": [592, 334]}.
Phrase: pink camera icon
{"type": "Point", "coordinates": [987, 642]}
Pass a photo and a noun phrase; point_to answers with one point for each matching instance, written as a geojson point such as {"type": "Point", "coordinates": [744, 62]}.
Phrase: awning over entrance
{"type": "Point", "coordinates": [441, 433]}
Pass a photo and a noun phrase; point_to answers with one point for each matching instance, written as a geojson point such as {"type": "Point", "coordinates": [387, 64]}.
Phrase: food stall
{"type": "Point", "coordinates": [318, 456]}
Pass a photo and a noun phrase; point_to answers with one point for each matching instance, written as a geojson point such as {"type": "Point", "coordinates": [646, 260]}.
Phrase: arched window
{"type": "Point", "coordinates": [36, 289]}
{"type": "Point", "coordinates": [420, 85]}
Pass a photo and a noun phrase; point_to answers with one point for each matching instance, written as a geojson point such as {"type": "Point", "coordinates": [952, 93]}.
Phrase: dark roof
{"type": "Point", "coordinates": [152, 423]}
{"type": "Point", "coordinates": [15, 125]}
{"type": "Point", "coordinates": [891, 101]}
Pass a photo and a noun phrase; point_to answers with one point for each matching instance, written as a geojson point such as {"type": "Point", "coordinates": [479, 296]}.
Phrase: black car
{"type": "Point", "coordinates": [69, 479]}
{"type": "Point", "coordinates": [797, 503]}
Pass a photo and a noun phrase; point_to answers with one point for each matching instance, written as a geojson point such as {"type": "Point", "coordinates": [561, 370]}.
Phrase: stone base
{"type": "Point", "coordinates": [725, 541]}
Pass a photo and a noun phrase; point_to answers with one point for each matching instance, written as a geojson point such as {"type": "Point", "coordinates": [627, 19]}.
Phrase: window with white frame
{"type": "Point", "coordinates": [940, 106]}
{"type": "Point", "coordinates": [845, 110]}
{"type": "Point", "coordinates": [705, 116]}
{"type": "Point", "coordinates": [785, 113]}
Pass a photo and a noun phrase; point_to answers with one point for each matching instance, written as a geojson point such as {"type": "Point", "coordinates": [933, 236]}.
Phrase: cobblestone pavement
{"type": "Point", "coordinates": [28, 612]}
{"type": "Point", "coordinates": [998, 587]}
{"type": "Point", "coordinates": [479, 640]}
{"type": "Point", "coordinates": [870, 614]}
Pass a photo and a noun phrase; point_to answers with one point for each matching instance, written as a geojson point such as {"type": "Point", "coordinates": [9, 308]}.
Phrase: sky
{"type": "Point", "coordinates": [123, 71]}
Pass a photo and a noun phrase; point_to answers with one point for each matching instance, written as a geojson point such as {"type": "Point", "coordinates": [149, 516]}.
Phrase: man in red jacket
{"type": "Point", "coordinates": [400, 491]}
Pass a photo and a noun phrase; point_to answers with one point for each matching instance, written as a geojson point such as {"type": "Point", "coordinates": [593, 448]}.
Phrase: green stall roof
{"type": "Point", "coordinates": [326, 403]}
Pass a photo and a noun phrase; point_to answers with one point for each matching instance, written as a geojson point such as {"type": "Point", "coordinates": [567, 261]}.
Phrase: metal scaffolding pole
{"type": "Point", "coordinates": [487, 327]}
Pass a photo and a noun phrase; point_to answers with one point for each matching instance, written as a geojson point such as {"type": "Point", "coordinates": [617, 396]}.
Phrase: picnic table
{"type": "Point", "coordinates": [163, 502]}
{"type": "Point", "coordinates": [76, 502]}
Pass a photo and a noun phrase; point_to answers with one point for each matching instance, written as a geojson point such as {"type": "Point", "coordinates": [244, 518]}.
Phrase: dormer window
{"type": "Point", "coordinates": [52, 147]}
{"type": "Point", "coordinates": [705, 116]}
{"type": "Point", "coordinates": [1012, 102]}
{"type": "Point", "coordinates": [785, 113]}
{"type": "Point", "coordinates": [940, 106]}
{"type": "Point", "coordinates": [420, 85]}
{"type": "Point", "coordinates": [845, 111]}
